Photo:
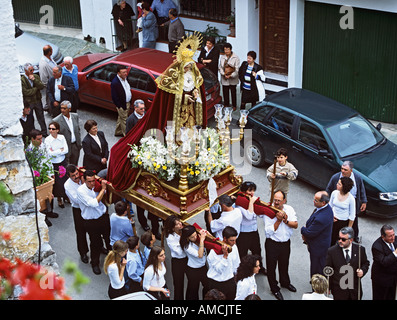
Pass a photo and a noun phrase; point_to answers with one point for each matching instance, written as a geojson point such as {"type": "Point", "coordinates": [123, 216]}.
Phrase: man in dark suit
{"type": "Point", "coordinates": [317, 232]}
{"type": "Point", "coordinates": [27, 122]}
{"type": "Point", "coordinates": [349, 263]}
{"type": "Point", "coordinates": [121, 96]}
{"type": "Point", "coordinates": [139, 112]}
{"type": "Point", "coordinates": [358, 190]}
{"type": "Point", "coordinates": [95, 147]}
{"type": "Point", "coordinates": [384, 268]}
{"type": "Point", "coordinates": [70, 129]}
{"type": "Point", "coordinates": [59, 88]}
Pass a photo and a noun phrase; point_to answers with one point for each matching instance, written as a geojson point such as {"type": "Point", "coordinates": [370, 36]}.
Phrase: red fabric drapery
{"type": "Point", "coordinates": [120, 172]}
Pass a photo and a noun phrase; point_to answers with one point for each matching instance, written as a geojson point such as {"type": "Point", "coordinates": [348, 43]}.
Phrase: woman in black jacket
{"type": "Point", "coordinates": [95, 146]}
{"type": "Point", "coordinates": [248, 76]}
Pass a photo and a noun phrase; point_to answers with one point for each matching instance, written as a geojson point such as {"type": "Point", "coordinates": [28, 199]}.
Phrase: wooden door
{"type": "Point", "coordinates": [274, 34]}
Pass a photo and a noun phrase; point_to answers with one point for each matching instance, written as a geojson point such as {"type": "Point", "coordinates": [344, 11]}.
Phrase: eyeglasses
{"type": "Point", "coordinates": [51, 128]}
{"type": "Point", "coordinates": [343, 239]}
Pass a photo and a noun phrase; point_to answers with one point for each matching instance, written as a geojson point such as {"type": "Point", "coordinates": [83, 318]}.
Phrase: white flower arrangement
{"type": "Point", "coordinates": [154, 157]}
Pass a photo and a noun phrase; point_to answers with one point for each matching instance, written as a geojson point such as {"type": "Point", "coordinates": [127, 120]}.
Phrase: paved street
{"type": "Point", "coordinates": [62, 234]}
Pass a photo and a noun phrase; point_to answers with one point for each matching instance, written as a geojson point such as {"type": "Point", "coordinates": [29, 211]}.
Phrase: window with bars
{"type": "Point", "coordinates": [217, 10]}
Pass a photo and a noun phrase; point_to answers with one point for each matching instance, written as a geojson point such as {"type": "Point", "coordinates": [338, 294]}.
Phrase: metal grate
{"type": "Point", "coordinates": [217, 10]}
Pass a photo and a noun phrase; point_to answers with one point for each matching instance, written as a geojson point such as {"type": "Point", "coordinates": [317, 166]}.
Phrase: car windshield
{"type": "Point", "coordinates": [353, 136]}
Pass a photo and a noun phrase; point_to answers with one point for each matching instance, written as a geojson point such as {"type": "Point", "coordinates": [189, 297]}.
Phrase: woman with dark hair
{"type": "Point", "coordinates": [248, 76]}
{"type": "Point", "coordinates": [95, 147]}
{"type": "Point", "coordinates": [209, 56]}
{"type": "Point", "coordinates": [114, 267]}
{"type": "Point", "coordinates": [57, 149]}
{"type": "Point", "coordinates": [245, 276]}
{"type": "Point", "coordinates": [196, 270]}
{"type": "Point", "coordinates": [154, 276]}
{"type": "Point", "coordinates": [343, 205]}
{"type": "Point", "coordinates": [172, 232]}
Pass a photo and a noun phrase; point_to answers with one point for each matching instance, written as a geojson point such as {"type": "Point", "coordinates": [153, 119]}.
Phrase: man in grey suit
{"type": "Point", "coordinates": [46, 64]}
{"type": "Point", "coordinates": [70, 129]}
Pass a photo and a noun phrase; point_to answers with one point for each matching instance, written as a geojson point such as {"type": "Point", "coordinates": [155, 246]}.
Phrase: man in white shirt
{"type": "Point", "coordinates": [121, 96]}
{"type": "Point", "coordinates": [70, 129]}
{"type": "Point", "coordinates": [230, 217]}
{"type": "Point", "coordinates": [278, 232]}
{"type": "Point", "coordinates": [223, 267]}
{"type": "Point", "coordinates": [71, 185]}
{"type": "Point", "coordinates": [96, 219]}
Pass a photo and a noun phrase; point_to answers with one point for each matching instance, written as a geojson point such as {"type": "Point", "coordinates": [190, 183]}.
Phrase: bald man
{"type": "Point", "coordinates": [317, 232]}
{"type": "Point", "coordinates": [46, 64]}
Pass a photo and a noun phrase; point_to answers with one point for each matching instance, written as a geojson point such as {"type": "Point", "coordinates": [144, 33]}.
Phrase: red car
{"type": "Point", "coordinates": [96, 71]}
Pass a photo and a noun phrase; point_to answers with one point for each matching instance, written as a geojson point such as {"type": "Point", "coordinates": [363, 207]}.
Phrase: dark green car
{"type": "Point", "coordinates": [320, 134]}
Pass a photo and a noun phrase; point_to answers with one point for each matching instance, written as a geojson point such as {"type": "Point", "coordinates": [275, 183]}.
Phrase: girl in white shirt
{"type": "Point", "coordinates": [196, 270]}
{"type": "Point", "coordinates": [57, 148]}
{"type": "Point", "coordinates": [343, 205]}
{"type": "Point", "coordinates": [114, 267]}
{"type": "Point", "coordinates": [154, 276]}
{"type": "Point", "coordinates": [172, 232]}
{"type": "Point", "coordinates": [245, 277]}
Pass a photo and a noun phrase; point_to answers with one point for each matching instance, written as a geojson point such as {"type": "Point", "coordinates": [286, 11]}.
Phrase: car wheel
{"type": "Point", "coordinates": [255, 154]}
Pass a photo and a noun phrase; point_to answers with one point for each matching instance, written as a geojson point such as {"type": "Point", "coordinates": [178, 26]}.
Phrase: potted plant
{"type": "Point", "coordinates": [42, 172]}
{"type": "Point", "coordinates": [232, 24]}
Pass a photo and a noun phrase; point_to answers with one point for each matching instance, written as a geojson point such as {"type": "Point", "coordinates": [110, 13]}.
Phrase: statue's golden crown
{"type": "Point", "coordinates": [188, 47]}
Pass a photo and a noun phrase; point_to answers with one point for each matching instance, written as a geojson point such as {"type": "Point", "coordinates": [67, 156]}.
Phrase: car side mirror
{"type": "Point", "coordinates": [379, 126]}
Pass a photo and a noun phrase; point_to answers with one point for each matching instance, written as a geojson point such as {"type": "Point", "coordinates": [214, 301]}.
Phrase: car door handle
{"type": "Point", "coordinates": [296, 148]}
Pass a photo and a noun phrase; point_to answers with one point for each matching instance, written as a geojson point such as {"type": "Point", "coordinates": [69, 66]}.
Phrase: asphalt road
{"type": "Point", "coordinates": [63, 241]}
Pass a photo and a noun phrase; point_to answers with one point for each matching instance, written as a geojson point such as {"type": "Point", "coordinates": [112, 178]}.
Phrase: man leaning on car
{"type": "Point", "coordinates": [121, 96]}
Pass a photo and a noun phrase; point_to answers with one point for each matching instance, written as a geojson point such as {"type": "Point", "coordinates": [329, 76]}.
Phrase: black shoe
{"type": "Point", "coordinates": [96, 269]}
{"type": "Point", "coordinates": [146, 228]}
{"type": "Point", "coordinates": [52, 215]}
{"type": "Point", "coordinates": [290, 287]}
{"type": "Point", "coordinates": [263, 271]}
{"type": "Point", "coordinates": [158, 236]}
{"type": "Point", "coordinates": [278, 295]}
{"type": "Point", "coordinates": [84, 258]}
{"type": "Point", "coordinates": [48, 222]}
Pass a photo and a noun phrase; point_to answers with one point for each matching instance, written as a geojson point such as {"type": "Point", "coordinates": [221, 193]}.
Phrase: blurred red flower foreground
{"type": "Point", "coordinates": [35, 282]}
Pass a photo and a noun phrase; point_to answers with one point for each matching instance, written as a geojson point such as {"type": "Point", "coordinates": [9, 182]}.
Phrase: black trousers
{"type": "Point", "coordinates": [277, 253]}
{"type": "Point", "coordinates": [98, 229]}
{"type": "Point", "coordinates": [178, 276]}
{"type": "Point", "coordinates": [81, 233]}
{"type": "Point", "coordinates": [143, 221]}
{"type": "Point", "coordinates": [195, 276]}
{"type": "Point", "coordinates": [226, 99]}
{"type": "Point", "coordinates": [114, 293]}
{"type": "Point", "coordinates": [228, 288]}
{"type": "Point", "coordinates": [383, 293]}
{"type": "Point", "coordinates": [249, 241]}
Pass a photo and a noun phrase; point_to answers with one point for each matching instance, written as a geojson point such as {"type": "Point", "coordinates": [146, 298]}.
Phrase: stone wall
{"type": "Point", "coordinates": [19, 217]}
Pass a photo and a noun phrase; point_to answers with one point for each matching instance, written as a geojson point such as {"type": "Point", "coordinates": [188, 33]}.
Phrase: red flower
{"type": "Point", "coordinates": [6, 236]}
{"type": "Point", "coordinates": [62, 171]}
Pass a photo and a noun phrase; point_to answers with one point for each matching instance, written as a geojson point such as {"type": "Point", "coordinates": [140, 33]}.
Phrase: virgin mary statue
{"type": "Point", "coordinates": [180, 97]}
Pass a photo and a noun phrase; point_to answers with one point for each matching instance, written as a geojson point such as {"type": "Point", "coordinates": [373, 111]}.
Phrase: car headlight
{"type": "Point", "coordinates": [388, 196]}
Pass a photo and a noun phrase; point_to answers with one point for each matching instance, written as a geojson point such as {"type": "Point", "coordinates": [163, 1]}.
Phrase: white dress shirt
{"type": "Point", "coordinates": [283, 232]}
{"type": "Point", "coordinates": [69, 122]}
{"type": "Point", "coordinates": [90, 208]}
{"type": "Point", "coordinates": [150, 279]}
{"type": "Point", "coordinates": [114, 276]}
{"type": "Point", "coordinates": [228, 218]}
{"type": "Point", "coordinates": [71, 191]}
{"type": "Point", "coordinates": [175, 247]}
{"type": "Point", "coordinates": [57, 92]}
{"type": "Point", "coordinates": [57, 148]}
{"type": "Point", "coordinates": [127, 89]}
{"type": "Point", "coordinates": [245, 287]}
{"type": "Point", "coordinates": [221, 269]}
{"type": "Point", "coordinates": [193, 259]}
{"type": "Point", "coordinates": [249, 222]}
